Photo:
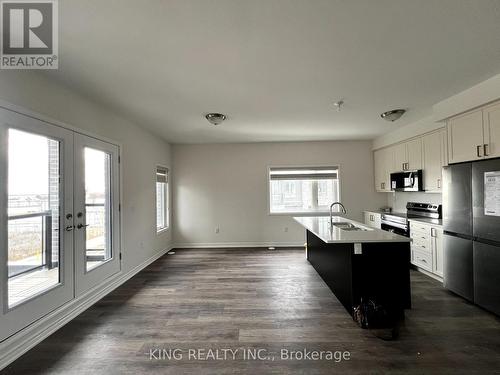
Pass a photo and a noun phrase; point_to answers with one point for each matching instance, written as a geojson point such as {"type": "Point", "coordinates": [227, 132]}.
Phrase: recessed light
{"type": "Point", "coordinates": [393, 115]}
{"type": "Point", "coordinates": [215, 118]}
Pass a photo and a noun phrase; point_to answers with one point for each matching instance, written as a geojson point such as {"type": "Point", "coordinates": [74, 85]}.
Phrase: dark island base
{"type": "Point", "coordinates": [380, 273]}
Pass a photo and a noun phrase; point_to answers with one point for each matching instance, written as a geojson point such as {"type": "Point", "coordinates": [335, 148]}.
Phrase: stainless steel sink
{"type": "Point", "coordinates": [347, 226]}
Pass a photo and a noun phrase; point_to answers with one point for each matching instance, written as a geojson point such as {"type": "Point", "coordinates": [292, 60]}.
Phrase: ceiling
{"type": "Point", "coordinates": [275, 67]}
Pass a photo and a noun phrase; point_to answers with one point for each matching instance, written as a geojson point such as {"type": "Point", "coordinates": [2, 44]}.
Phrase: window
{"type": "Point", "coordinates": [161, 199]}
{"type": "Point", "coordinates": [302, 189]}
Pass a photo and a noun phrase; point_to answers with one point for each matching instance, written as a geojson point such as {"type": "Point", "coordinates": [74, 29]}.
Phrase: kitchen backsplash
{"type": "Point", "coordinates": [398, 200]}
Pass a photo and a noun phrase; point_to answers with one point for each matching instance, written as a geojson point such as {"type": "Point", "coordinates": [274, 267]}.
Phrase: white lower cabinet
{"type": "Point", "coordinates": [427, 247]}
{"type": "Point", "coordinates": [373, 219]}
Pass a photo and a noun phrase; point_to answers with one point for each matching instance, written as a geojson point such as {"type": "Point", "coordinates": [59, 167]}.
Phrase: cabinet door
{"type": "Point", "coordinates": [414, 153]}
{"type": "Point", "coordinates": [491, 124]}
{"type": "Point", "coordinates": [378, 158]}
{"type": "Point", "coordinates": [400, 157]}
{"type": "Point", "coordinates": [389, 167]}
{"type": "Point", "coordinates": [368, 216]}
{"type": "Point", "coordinates": [383, 160]}
{"type": "Point", "coordinates": [437, 251]}
{"type": "Point", "coordinates": [377, 223]}
{"type": "Point", "coordinates": [433, 160]}
{"type": "Point", "coordinates": [465, 137]}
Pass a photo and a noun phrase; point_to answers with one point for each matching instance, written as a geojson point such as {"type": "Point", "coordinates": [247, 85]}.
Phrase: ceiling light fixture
{"type": "Point", "coordinates": [215, 118]}
{"type": "Point", "coordinates": [339, 104]}
{"type": "Point", "coordinates": [393, 115]}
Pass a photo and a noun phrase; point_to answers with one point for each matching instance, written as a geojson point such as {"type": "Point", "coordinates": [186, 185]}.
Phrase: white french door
{"type": "Point", "coordinates": [59, 217]}
{"type": "Point", "coordinates": [97, 220]}
{"type": "Point", "coordinates": [36, 199]}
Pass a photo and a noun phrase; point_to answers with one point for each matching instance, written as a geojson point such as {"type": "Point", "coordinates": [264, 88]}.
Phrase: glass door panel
{"type": "Point", "coordinates": [96, 202]}
{"type": "Point", "coordinates": [98, 248]}
{"type": "Point", "coordinates": [36, 238]}
{"type": "Point", "coordinates": [33, 215]}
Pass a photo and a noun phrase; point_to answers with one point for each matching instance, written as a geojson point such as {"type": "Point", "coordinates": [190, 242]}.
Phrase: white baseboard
{"type": "Point", "coordinates": [18, 344]}
{"type": "Point", "coordinates": [222, 245]}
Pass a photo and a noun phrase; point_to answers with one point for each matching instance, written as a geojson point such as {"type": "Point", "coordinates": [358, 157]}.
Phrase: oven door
{"type": "Point", "coordinates": [395, 229]}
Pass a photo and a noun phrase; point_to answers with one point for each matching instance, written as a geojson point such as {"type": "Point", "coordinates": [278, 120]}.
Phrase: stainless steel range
{"type": "Point", "coordinates": [398, 222]}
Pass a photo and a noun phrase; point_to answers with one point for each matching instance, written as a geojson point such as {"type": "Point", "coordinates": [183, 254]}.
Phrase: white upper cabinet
{"type": "Point", "coordinates": [434, 159]}
{"type": "Point", "coordinates": [407, 155]}
{"type": "Point", "coordinates": [465, 137]}
{"type": "Point", "coordinates": [414, 152]}
{"type": "Point", "coordinates": [400, 157]}
{"type": "Point", "coordinates": [491, 125]}
{"type": "Point", "coordinates": [383, 163]}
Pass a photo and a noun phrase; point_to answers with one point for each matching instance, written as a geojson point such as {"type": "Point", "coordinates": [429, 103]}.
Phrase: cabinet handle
{"type": "Point", "coordinates": [439, 183]}
{"type": "Point", "coordinates": [485, 149]}
{"type": "Point", "coordinates": [479, 151]}
{"type": "Point", "coordinates": [433, 232]}
{"type": "Point", "coordinates": [383, 185]}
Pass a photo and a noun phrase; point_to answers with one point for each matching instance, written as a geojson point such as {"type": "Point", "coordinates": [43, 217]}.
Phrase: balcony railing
{"type": "Point", "coordinates": [30, 235]}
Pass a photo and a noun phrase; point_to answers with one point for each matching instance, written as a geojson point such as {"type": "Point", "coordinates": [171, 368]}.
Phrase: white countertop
{"type": "Point", "coordinates": [320, 226]}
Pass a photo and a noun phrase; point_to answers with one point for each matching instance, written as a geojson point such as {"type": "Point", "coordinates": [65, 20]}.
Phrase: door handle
{"type": "Point", "coordinates": [479, 151]}
{"type": "Point", "coordinates": [80, 226]}
{"type": "Point", "coordinates": [485, 150]}
{"type": "Point", "coordinates": [69, 228]}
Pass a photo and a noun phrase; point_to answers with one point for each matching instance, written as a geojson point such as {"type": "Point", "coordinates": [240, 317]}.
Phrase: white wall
{"type": "Point", "coordinates": [141, 152]}
{"type": "Point", "coordinates": [476, 96]}
{"type": "Point", "coordinates": [398, 200]}
{"type": "Point", "coordinates": [226, 185]}
{"type": "Point", "coordinates": [415, 129]}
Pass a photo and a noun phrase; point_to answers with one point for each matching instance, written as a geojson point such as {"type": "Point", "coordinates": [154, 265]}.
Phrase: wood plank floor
{"type": "Point", "coordinates": [259, 299]}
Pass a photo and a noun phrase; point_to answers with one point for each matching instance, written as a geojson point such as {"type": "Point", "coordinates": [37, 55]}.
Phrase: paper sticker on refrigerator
{"type": "Point", "coordinates": [492, 193]}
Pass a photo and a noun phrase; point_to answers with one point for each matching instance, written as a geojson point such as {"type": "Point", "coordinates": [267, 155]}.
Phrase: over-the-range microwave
{"type": "Point", "coordinates": [407, 181]}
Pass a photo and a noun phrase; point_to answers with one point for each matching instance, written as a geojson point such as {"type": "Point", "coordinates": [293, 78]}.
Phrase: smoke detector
{"type": "Point", "coordinates": [339, 104]}
{"type": "Point", "coordinates": [393, 115]}
{"type": "Point", "coordinates": [215, 118]}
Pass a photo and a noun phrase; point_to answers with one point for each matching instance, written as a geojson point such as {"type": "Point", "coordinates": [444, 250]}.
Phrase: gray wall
{"type": "Point", "coordinates": [141, 152]}
{"type": "Point", "coordinates": [226, 185]}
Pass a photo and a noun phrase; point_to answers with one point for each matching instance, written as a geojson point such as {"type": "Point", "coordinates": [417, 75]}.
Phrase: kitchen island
{"type": "Point", "coordinates": [358, 262]}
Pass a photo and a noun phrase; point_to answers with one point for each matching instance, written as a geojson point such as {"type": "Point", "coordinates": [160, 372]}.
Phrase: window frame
{"type": "Point", "coordinates": [301, 213]}
{"type": "Point", "coordinates": [167, 200]}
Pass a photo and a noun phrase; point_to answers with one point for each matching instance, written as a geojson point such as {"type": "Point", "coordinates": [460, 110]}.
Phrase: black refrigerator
{"type": "Point", "coordinates": [471, 222]}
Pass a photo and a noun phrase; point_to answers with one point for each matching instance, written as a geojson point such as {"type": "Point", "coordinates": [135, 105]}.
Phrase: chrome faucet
{"type": "Point", "coordinates": [344, 211]}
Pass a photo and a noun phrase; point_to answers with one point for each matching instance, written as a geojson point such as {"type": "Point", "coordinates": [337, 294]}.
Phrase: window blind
{"type": "Point", "coordinates": [161, 174]}
{"type": "Point", "coordinates": [303, 173]}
